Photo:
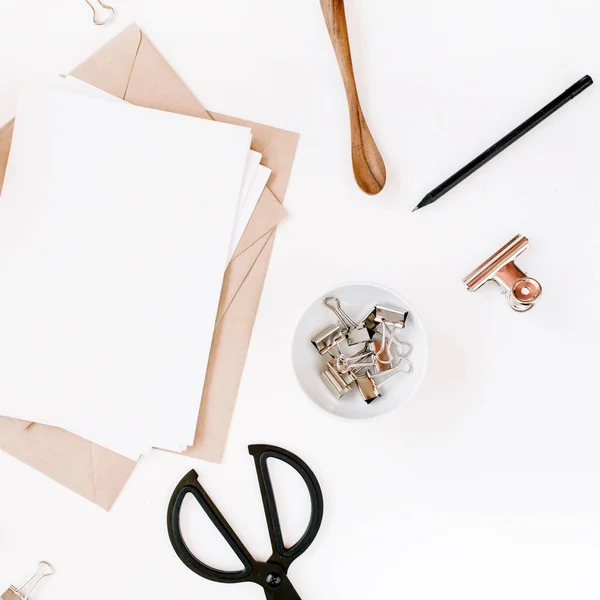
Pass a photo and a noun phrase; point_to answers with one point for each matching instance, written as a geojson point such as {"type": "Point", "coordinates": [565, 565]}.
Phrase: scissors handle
{"type": "Point", "coordinates": [270, 575]}
{"type": "Point", "coordinates": [190, 485]}
{"type": "Point", "coordinates": [282, 555]}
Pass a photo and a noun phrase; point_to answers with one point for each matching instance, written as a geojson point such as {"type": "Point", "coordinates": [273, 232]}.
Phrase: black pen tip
{"type": "Point", "coordinates": [415, 209]}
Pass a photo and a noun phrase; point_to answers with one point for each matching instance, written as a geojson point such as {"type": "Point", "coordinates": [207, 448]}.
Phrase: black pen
{"type": "Point", "coordinates": [505, 142]}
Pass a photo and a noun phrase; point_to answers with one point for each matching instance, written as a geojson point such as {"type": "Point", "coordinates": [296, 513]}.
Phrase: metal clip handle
{"type": "Point", "coordinates": [103, 13]}
{"type": "Point", "coordinates": [346, 320]}
{"type": "Point", "coordinates": [45, 569]}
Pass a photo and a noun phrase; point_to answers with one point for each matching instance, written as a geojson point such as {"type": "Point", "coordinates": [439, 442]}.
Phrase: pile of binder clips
{"type": "Point", "coordinates": [364, 354]}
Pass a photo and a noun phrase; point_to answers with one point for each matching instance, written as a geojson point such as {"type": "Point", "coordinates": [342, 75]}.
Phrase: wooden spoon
{"type": "Point", "coordinates": [369, 168]}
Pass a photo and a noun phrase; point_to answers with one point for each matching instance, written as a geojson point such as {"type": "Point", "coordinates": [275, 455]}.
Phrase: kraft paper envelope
{"type": "Point", "coordinates": [131, 68]}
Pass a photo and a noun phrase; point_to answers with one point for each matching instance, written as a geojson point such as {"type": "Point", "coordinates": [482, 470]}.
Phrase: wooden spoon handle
{"type": "Point", "coordinates": [369, 168]}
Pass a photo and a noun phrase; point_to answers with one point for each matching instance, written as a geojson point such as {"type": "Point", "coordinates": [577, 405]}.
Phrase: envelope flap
{"type": "Point", "coordinates": [238, 272]}
{"type": "Point", "coordinates": [230, 345]}
{"type": "Point", "coordinates": [89, 470]}
{"type": "Point", "coordinates": [110, 68]}
{"type": "Point", "coordinates": [154, 84]}
{"type": "Point", "coordinates": [269, 212]}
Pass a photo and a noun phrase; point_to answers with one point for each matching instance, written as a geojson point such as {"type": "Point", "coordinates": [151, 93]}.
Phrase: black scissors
{"type": "Point", "coordinates": [270, 575]}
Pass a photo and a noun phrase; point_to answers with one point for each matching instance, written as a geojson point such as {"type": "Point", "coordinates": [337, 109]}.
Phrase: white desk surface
{"type": "Point", "coordinates": [487, 485]}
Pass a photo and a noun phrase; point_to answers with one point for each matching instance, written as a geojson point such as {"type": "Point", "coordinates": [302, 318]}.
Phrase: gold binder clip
{"type": "Point", "coordinates": [523, 292]}
{"type": "Point", "coordinates": [45, 569]}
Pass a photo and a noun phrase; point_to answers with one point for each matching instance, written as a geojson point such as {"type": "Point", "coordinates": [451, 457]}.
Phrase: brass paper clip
{"type": "Point", "coordinates": [523, 292]}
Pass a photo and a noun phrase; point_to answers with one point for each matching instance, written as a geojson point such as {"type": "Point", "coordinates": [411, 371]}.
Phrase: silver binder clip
{"type": "Point", "coordinates": [367, 387]}
{"type": "Point", "coordinates": [353, 364]}
{"type": "Point", "coordinates": [339, 384]}
{"type": "Point", "coordinates": [382, 355]}
{"type": "Point", "coordinates": [24, 592]}
{"type": "Point", "coordinates": [383, 359]}
{"type": "Point", "coordinates": [355, 333]}
{"type": "Point", "coordinates": [328, 339]}
{"type": "Point", "coordinates": [380, 314]}
{"type": "Point", "coordinates": [523, 292]}
{"type": "Point", "coordinates": [360, 335]}
{"type": "Point", "coordinates": [390, 348]}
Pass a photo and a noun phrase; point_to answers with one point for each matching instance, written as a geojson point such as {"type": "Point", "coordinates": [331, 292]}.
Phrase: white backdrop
{"type": "Point", "coordinates": [487, 485]}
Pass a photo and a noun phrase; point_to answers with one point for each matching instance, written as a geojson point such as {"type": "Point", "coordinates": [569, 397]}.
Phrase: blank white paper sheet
{"type": "Point", "coordinates": [115, 226]}
{"type": "Point", "coordinates": [248, 204]}
{"type": "Point", "coordinates": [255, 175]}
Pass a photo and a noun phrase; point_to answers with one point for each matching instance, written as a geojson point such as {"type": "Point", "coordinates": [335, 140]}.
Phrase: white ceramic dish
{"type": "Point", "coordinates": [357, 299]}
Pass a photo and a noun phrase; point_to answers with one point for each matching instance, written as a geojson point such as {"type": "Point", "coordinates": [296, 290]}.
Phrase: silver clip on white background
{"type": "Point", "coordinates": [102, 12]}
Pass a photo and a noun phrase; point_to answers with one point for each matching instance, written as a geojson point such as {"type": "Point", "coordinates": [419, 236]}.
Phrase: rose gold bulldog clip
{"type": "Point", "coordinates": [523, 292]}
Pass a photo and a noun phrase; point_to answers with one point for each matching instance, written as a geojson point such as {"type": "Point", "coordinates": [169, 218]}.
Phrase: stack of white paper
{"type": "Point", "coordinates": [116, 225]}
